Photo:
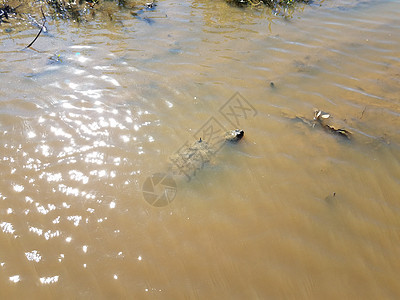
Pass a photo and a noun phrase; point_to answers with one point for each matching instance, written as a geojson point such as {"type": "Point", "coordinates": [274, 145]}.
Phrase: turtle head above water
{"type": "Point", "coordinates": [234, 135]}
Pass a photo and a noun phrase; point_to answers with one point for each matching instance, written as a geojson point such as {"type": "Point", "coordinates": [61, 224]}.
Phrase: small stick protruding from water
{"type": "Point", "coordinates": [40, 31]}
{"type": "Point", "coordinates": [362, 113]}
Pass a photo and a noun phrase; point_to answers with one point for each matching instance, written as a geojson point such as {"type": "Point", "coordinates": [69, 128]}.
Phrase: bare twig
{"type": "Point", "coordinates": [40, 31]}
{"type": "Point", "coordinates": [362, 114]}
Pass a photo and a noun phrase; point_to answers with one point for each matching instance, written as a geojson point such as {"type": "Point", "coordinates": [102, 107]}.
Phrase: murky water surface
{"type": "Point", "coordinates": [291, 211]}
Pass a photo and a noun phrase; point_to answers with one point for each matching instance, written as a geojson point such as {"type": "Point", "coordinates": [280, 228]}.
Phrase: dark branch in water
{"type": "Point", "coordinates": [40, 31]}
{"type": "Point", "coordinates": [341, 132]}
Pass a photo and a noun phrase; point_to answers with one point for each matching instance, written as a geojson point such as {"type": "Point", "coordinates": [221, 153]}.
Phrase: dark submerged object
{"type": "Point", "coordinates": [191, 158]}
{"type": "Point", "coordinates": [234, 136]}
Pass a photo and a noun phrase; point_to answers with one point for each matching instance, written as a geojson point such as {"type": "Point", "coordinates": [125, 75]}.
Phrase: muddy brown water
{"type": "Point", "coordinates": [290, 212]}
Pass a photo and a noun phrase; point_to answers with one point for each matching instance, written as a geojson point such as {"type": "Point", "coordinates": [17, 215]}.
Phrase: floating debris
{"type": "Point", "coordinates": [321, 117]}
{"type": "Point", "coordinates": [56, 58]}
{"type": "Point", "coordinates": [151, 5]}
{"type": "Point", "coordinates": [321, 120]}
{"type": "Point", "coordinates": [342, 132]}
